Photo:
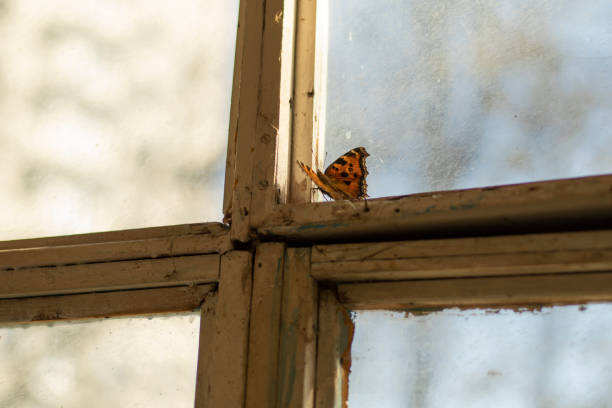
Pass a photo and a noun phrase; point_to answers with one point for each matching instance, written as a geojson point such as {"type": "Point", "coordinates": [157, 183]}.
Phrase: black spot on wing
{"type": "Point", "coordinates": [340, 161]}
{"type": "Point", "coordinates": [348, 183]}
{"type": "Point", "coordinates": [344, 174]}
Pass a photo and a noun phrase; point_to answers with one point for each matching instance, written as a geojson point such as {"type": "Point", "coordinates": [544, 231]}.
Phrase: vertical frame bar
{"type": "Point", "coordinates": [268, 171]}
{"type": "Point", "coordinates": [296, 385]}
{"type": "Point", "coordinates": [205, 360]}
{"type": "Point", "coordinates": [236, 200]}
{"type": "Point", "coordinates": [230, 158]}
{"type": "Point", "coordinates": [221, 378]}
{"type": "Point", "coordinates": [264, 337]}
{"type": "Point", "coordinates": [335, 338]}
{"type": "Point", "coordinates": [320, 82]}
{"type": "Point", "coordinates": [258, 153]}
{"type": "Point", "coordinates": [303, 109]}
{"type": "Point", "coordinates": [285, 125]}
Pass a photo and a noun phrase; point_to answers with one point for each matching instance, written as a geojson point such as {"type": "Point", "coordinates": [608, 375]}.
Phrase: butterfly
{"type": "Point", "coordinates": [345, 178]}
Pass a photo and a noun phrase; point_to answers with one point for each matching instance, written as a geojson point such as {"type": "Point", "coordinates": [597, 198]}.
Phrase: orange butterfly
{"type": "Point", "coordinates": [344, 179]}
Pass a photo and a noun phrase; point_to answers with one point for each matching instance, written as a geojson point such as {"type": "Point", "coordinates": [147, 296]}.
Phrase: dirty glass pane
{"type": "Point", "coordinates": [126, 362]}
{"type": "Point", "coordinates": [555, 357]}
{"type": "Point", "coordinates": [113, 113]}
{"type": "Point", "coordinates": [452, 94]}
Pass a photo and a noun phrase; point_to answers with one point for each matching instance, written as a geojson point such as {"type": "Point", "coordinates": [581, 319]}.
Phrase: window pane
{"type": "Point", "coordinates": [113, 114]}
{"type": "Point", "coordinates": [556, 357]}
{"type": "Point", "coordinates": [454, 94]}
{"type": "Point", "coordinates": [126, 362]}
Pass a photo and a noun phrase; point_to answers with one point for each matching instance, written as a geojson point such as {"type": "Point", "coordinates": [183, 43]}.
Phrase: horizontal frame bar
{"type": "Point", "coordinates": [498, 292]}
{"type": "Point", "coordinates": [106, 304]}
{"type": "Point", "coordinates": [159, 247]}
{"type": "Point", "coordinates": [556, 205]}
{"type": "Point", "coordinates": [464, 257]}
{"type": "Point", "coordinates": [206, 228]}
{"type": "Point", "coordinates": [107, 276]}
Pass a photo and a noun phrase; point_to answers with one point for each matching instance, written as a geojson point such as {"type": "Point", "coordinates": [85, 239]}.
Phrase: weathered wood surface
{"type": "Point", "coordinates": [267, 173]}
{"type": "Point", "coordinates": [107, 276]}
{"type": "Point", "coordinates": [549, 205]}
{"type": "Point", "coordinates": [205, 351]}
{"type": "Point", "coordinates": [115, 251]}
{"type": "Point", "coordinates": [105, 304]}
{"type": "Point", "coordinates": [232, 137]}
{"type": "Point", "coordinates": [303, 147]}
{"type": "Point", "coordinates": [228, 365]}
{"type": "Point", "coordinates": [264, 334]}
{"type": "Point", "coordinates": [249, 52]}
{"type": "Point", "coordinates": [212, 229]}
{"type": "Point", "coordinates": [505, 291]}
{"type": "Point", "coordinates": [297, 360]}
{"type": "Point", "coordinates": [485, 256]}
{"type": "Point", "coordinates": [335, 337]}
{"type": "Point", "coordinates": [286, 101]}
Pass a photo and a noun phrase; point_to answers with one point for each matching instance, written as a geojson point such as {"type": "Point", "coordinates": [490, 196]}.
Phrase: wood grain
{"type": "Point", "coordinates": [232, 137]}
{"type": "Point", "coordinates": [297, 359]}
{"type": "Point", "coordinates": [506, 291]}
{"type": "Point", "coordinates": [114, 251]}
{"type": "Point", "coordinates": [106, 304]}
{"type": "Point", "coordinates": [522, 208]}
{"type": "Point", "coordinates": [108, 276]}
{"type": "Point", "coordinates": [335, 337]}
{"type": "Point", "coordinates": [264, 334]}
{"type": "Point", "coordinates": [464, 257]}
{"type": "Point", "coordinates": [303, 147]}
{"type": "Point", "coordinates": [267, 173]}
{"type": "Point", "coordinates": [206, 352]}
{"type": "Point", "coordinates": [230, 344]}
{"type": "Point", "coordinates": [207, 228]}
{"type": "Point", "coordinates": [244, 141]}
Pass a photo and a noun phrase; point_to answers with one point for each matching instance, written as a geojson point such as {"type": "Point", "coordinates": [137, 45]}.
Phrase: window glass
{"type": "Point", "coordinates": [125, 362]}
{"type": "Point", "coordinates": [454, 94]}
{"type": "Point", "coordinates": [554, 357]}
{"type": "Point", "coordinates": [113, 114]}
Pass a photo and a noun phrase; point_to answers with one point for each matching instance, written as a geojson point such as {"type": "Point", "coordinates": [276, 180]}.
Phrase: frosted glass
{"type": "Point", "coordinates": [558, 357]}
{"type": "Point", "coordinates": [452, 94]}
{"type": "Point", "coordinates": [113, 113]}
{"type": "Point", "coordinates": [126, 362]}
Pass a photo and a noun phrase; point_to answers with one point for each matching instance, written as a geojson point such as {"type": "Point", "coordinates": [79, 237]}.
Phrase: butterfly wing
{"type": "Point", "coordinates": [322, 182]}
{"type": "Point", "coordinates": [348, 173]}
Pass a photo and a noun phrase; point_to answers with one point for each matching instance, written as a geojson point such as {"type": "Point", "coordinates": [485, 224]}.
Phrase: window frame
{"type": "Point", "coordinates": [275, 330]}
{"type": "Point", "coordinates": [141, 272]}
{"type": "Point", "coordinates": [306, 295]}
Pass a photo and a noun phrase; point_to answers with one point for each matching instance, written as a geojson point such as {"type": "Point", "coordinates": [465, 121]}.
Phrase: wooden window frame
{"type": "Point", "coordinates": [141, 272]}
{"type": "Point", "coordinates": [275, 287]}
{"type": "Point", "coordinates": [305, 294]}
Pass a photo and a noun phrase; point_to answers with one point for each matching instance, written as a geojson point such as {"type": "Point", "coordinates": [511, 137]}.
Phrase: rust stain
{"type": "Point", "coordinates": [346, 342]}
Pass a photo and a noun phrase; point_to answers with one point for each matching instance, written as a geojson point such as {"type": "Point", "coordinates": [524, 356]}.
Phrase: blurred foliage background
{"type": "Point", "coordinates": [113, 114]}
{"type": "Point", "coordinates": [456, 94]}
{"type": "Point", "coordinates": [121, 362]}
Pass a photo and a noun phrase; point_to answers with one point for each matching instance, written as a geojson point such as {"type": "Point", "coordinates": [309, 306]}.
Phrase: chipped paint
{"type": "Point", "coordinates": [321, 226]}
{"type": "Point", "coordinates": [466, 206]}
{"type": "Point", "coordinates": [278, 17]}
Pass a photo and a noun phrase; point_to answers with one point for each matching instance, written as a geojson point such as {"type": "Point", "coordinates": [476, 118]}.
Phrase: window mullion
{"type": "Point", "coordinates": [257, 158]}
{"type": "Point", "coordinates": [222, 358]}
{"type": "Point", "coordinates": [264, 335]}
